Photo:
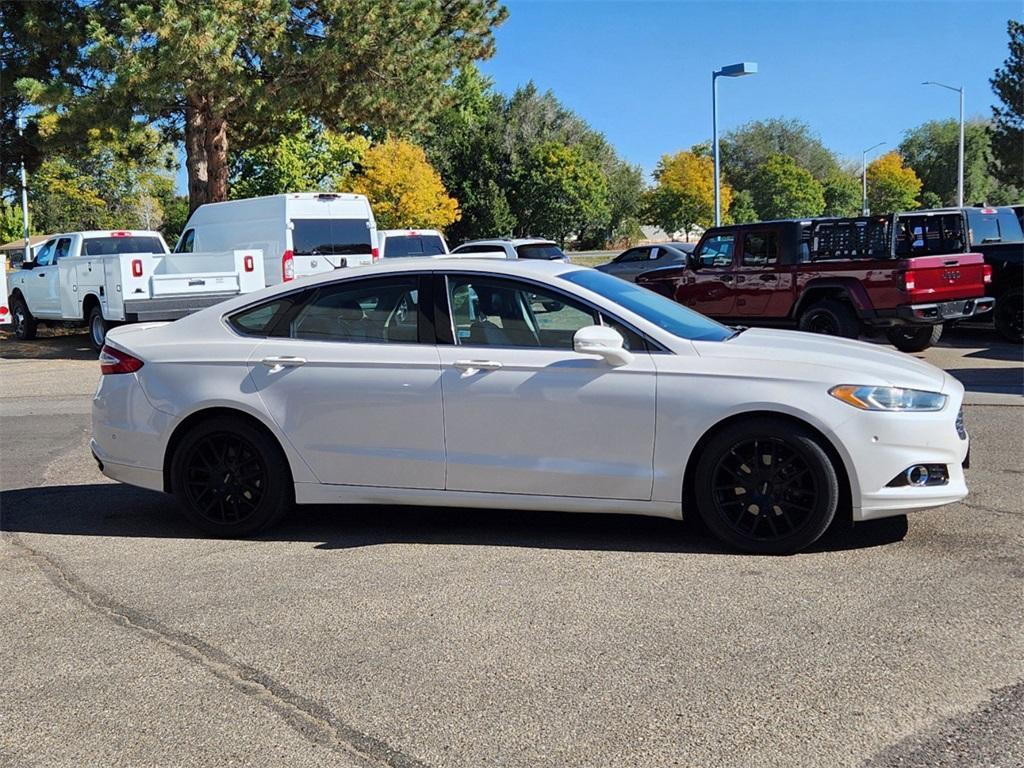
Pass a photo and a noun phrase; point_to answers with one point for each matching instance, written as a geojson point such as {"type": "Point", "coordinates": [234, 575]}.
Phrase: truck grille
{"type": "Point", "coordinates": [960, 430]}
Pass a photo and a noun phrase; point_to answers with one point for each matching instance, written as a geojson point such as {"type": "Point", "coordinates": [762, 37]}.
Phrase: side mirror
{"type": "Point", "coordinates": [28, 264]}
{"type": "Point", "coordinates": [692, 262]}
{"type": "Point", "coordinates": [603, 341]}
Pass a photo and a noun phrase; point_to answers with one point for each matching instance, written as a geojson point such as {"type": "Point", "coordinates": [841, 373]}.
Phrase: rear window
{"type": "Point", "coordinates": [415, 245]}
{"type": "Point", "coordinates": [106, 246]}
{"type": "Point", "coordinates": [325, 237]}
{"type": "Point", "coordinates": [1001, 226]}
{"type": "Point", "coordinates": [540, 251]}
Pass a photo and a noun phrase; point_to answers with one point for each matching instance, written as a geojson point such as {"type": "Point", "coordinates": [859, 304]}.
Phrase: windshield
{"type": "Point", "coordinates": [413, 245]}
{"type": "Point", "coordinates": [328, 237]}
{"type": "Point", "coordinates": [994, 226]}
{"type": "Point", "coordinates": [539, 251]}
{"type": "Point", "coordinates": [105, 246]}
{"type": "Point", "coordinates": [664, 313]}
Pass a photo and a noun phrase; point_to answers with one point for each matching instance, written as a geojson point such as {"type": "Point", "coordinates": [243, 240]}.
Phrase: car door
{"type": "Point", "coordinates": [710, 287]}
{"type": "Point", "coordinates": [41, 284]}
{"type": "Point", "coordinates": [346, 378]}
{"type": "Point", "coordinates": [759, 275]}
{"type": "Point", "coordinates": [633, 262]}
{"type": "Point", "coordinates": [524, 413]}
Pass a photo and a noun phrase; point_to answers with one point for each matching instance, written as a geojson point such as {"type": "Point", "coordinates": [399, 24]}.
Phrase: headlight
{"type": "Point", "coordinates": [888, 398]}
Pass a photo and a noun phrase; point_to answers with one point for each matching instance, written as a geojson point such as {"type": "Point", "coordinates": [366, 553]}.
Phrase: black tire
{"type": "Point", "coordinates": [766, 486]}
{"type": "Point", "coordinates": [914, 338]}
{"type": "Point", "coordinates": [98, 328]}
{"type": "Point", "coordinates": [25, 326]}
{"type": "Point", "coordinates": [1008, 315]}
{"type": "Point", "coordinates": [831, 317]}
{"type": "Point", "coordinates": [230, 478]}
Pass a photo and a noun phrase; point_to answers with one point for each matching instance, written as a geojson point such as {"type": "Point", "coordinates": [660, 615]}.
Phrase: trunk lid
{"type": "Point", "coordinates": [929, 279]}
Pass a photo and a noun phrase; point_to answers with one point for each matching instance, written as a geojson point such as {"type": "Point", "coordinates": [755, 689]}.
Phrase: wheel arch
{"type": "Point", "coordinates": [206, 414]}
{"type": "Point", "coordinates": [89, 301]}
{"type": "Point", "coordinates": [847, 290]}
{"type": "Point", "coordinates": [836, 456]}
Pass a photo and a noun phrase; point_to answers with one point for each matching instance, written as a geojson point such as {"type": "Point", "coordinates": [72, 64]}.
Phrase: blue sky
{"type": "Point", "coordinates": [640, 72]}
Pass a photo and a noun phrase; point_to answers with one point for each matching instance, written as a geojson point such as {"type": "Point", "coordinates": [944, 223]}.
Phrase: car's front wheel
{"type": "Point", "coordinates": [766, 486]}
{"type": "Point", "coordinates": [25, 324]}
{"type": "Point", "coordinates": [230, 478]}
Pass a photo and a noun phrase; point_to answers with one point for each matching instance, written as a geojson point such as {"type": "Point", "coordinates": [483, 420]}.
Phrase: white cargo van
{"type": "Point", "coordinates": [300, 233]}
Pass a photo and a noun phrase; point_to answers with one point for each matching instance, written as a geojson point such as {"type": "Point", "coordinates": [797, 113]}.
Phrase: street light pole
{"type": "Point", "coordinates": [22, 123]}
{"type": "Point", "coordinates": [864, 178]}
{"type": "Point", "coordinates": [733, 70]}
{"type": "Point", "coordinates": [960, 157]}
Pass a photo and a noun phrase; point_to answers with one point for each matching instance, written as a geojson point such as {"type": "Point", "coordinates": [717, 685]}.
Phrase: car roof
{"type": "Point", "coordinates": [86, 234]}
{"type": "Point", "coordinates": [515, 241]}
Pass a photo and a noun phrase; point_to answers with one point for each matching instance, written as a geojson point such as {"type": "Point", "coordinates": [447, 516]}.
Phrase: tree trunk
{"type": "Point", "coordinates": [217, 159]}
{"type": "Point", "coordinates": [195, 153]}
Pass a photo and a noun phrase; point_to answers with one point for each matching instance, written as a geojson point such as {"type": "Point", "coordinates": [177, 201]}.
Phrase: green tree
{"type": "Point", "coordinates": [11, 224]}
{"type": "Point", "coordinates": [625, 201]}
{"type": "Point", "coordinates": [842, 191]}
{"type": "Point", "coordinates": [747, 148]}
{"type": "Point", "coordinates": [742, 210]}
{"type": "Point", "coordinates": [892, 187]}
{"type": "Point", "coordinates": [1008, 116]}
{"type": "Point", "coordinates": [932, 149]}
{"type": "Point", "coordinates": [781, 189]}
{"type": "Point", "coordinates": [310, 158]}
{"type": "Point", "coordinates": [558, 192]}
{"type": "Point", "coordinates": [211, 73]}
{"type": "Point", "coordinates": [465, 146]}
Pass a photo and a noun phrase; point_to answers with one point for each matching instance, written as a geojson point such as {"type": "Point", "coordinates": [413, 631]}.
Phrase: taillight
{"type": "Point", "coordinates": [247, 264]}
{"type": "Point", "coordinates": [288, 266]}
{"type": "Point", "coordinates": [986, 274]}
{"type": "Point", "coordinates": [136, 267]}
{"type": "Point", "coordinates": [376, 254]}
{"type": "Point", "coordinates": [115, 361]}
{"type": "Point", "coordinates": [909, 280]}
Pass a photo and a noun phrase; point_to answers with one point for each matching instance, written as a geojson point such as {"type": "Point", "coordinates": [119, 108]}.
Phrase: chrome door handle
{"type": "Point", "coordinates": [276, 364]}
{"type": "Point", "coordinates": [469, 367]}
{"type": "Point", "coordinates": [769, 277]}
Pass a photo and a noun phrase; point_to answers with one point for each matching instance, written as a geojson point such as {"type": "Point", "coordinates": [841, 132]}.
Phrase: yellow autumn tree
{"type": "Point", "coordinates": [892, 187]}
{"type": "Point", "coordinates": [684, 195]}
{"type": "Point", "coordinates": [404, 189]}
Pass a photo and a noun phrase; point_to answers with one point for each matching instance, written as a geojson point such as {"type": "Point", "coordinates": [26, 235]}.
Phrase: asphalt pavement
{"type": "Point", "coordinates": [355, 636]}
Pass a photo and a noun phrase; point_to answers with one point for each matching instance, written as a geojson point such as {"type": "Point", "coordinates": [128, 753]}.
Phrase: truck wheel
{"type": "Point", "coordinates": [25, 325]}
{"type": "Point", "coordinates": [909, 338]}
{"type": "Point", "coordinates": [831, 317]}
{"type": "Point", "coordinates": [98, 328]}
{"type": "Point", "coordinates": [1009, 315]}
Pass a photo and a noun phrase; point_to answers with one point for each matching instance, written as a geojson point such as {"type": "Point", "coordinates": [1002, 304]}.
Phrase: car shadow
{"type": "Point", "coordinates": [124, 511]}
{"type": "Point", "coordinates": [1000, 381]}
{"type": "Point", "coordinates": [52, 346]}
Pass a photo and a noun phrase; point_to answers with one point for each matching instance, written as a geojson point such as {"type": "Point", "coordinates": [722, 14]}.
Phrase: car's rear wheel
{"type": "Point", "coordinates": [831, 317]}
{"type": "Point", "coordinates": [25, 325]}
{"type": "Point", "coordinates": [766, 486]}
{"type": "Point", "coordinates": [1009, 315]}
{"type": "Point", "coordinates": [230, 478]}
{"type": "Point", "coordinates": [911, 338]}
{"type": "Point", "coordinates": [98, 328]}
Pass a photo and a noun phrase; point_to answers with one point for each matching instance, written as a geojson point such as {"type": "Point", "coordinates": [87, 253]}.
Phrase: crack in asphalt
{"type": "Point", "coordinates": [992, 510]}
{"type": "Point", "coordinates": [312, 720]}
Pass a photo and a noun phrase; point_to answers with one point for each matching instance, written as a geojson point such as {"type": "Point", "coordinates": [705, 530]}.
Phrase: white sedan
{"type": "Point", "coordinates": [520, 384]}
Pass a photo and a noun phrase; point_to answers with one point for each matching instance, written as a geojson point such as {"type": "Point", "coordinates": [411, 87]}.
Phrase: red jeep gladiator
{"type": "Point", "coordinates": [904, 273]}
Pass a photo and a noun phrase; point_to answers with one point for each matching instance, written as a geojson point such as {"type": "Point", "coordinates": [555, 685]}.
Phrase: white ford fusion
{"type": "Point", "coordinates": [521, 384]}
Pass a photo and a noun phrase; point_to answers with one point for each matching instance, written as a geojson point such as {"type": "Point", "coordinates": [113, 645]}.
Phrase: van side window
{"type": "Point", "coordinates": [187, 242]}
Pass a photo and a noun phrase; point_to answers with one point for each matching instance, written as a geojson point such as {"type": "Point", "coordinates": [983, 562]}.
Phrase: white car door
{"type": "Point", "coordinates": [351, 387]}
{"type": "Point", "coordinates": [526, 414]}
{"type": "Point", "coordinates": [41, 285]}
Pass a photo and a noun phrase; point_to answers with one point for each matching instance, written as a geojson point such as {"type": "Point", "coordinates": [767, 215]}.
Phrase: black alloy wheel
{"type": "Point", "coordinates": [766, 486]}
{"type": "Point", "coordinates": [831, 317]}
{"type": "Point", "coordinates": [231, 478]}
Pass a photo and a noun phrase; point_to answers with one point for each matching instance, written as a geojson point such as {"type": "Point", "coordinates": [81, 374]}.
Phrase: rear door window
{"type": "Point", "coordinates": [327, 237]}
{"type": "Point", "coordinates": [760, 249]}
{"type": "Point", "coordinates": [540, 251]}
{"type": "Point", "coordinates": [397, 246]}
{"type": "Point", "coordinates": [107, 246]}
{"type": "Point", "coordinates": [376, 311]}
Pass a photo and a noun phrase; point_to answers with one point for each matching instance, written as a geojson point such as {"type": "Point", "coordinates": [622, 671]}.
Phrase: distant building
{"type": "Point", "coordinates": [13, 253]}
{"type": "Point", "coordinates": [653, 234]}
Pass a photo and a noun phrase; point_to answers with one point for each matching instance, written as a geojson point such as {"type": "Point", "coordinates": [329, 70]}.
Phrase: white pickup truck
{"type": "Point", "coordinates": [104, 278]}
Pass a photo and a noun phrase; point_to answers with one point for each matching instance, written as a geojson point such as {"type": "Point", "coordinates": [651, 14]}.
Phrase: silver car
{"type": "Point", "coordinates": [634, 261]}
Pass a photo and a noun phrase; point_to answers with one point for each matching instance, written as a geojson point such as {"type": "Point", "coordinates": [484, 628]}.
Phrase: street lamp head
{"type": "Point", "coordinates": [738, 70]}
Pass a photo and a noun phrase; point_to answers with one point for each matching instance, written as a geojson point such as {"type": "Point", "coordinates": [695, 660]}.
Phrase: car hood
{"type": "Point", "coordinates": [852, 362]}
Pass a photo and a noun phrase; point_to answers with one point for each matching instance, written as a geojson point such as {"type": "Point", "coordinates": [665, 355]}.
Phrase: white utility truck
{"type": "Point", "coordinates": [105, 278]}
{"type": "Point", "coordinates": [300, 233]}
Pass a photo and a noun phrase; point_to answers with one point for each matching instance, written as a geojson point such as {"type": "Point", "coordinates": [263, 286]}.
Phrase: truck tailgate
{"type": "Point", "coordinates": [206, 282]}
{"type": "Point", "coordinates": [944, 278]}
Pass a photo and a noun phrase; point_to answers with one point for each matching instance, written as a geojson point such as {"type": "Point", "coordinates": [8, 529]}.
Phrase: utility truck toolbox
{"type": "Point", "coordinates": [104, 278]}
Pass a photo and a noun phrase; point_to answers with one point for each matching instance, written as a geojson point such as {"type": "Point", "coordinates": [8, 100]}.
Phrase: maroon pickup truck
{"type": "Point", "coordinates": [904, 274]}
